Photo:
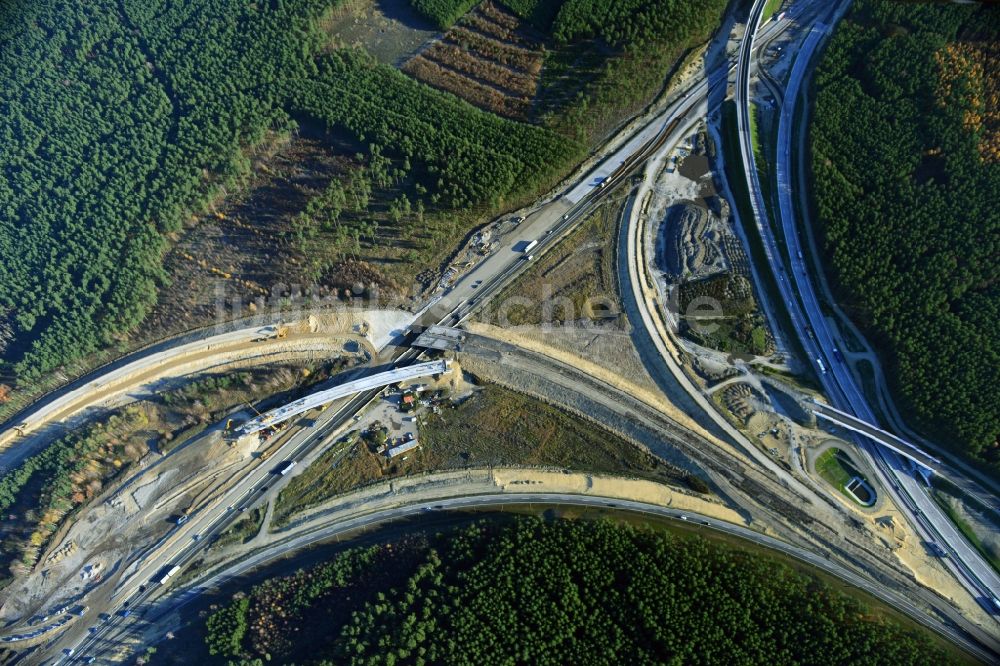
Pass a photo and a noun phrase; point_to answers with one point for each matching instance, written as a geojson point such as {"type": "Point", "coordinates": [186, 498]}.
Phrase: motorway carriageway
{"type": "Point", "coordinates": [181, 547]}
{"type": "Point", "coordinates": [898, 478]}
{"type": "Point", "coordinates": [499, 501]}
{"type": "Point", "coordinates": [547, 224]}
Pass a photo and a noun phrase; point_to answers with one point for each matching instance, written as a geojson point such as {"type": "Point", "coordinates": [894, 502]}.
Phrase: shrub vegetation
{"type": "Point", "coordinates": [606, 59]}
{"type": "Point", "coordinates": [40, 494]}
{"type": "Point", "coordinates": [443, 12]}
{"type": "Point", "coordinates": [630, 48]}
{"type": "Point", "coordinates": [119, 117]}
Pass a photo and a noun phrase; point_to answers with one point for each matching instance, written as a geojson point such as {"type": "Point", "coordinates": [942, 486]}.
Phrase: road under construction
{"type": "Point", "coordinates": [322, 398]}
{"type": "Point", "coordinates": [737, 477]}
{"type": "Point", "coordinates": [815, 334]}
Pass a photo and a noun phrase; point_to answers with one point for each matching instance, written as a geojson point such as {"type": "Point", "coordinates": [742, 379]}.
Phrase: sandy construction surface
{"type": "Point", "coordinates": [610, 372]}
{"type": "Point", "coordinates": [316, 336]}
{"type": "Point", "coordinates": [638, 490]}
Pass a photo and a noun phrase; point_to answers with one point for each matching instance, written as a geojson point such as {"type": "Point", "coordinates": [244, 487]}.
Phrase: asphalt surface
{"type": "Point", "coordinates": [974, 482]}
{"type": "Point", "coordinates": [641, 303]}
{"type": "Point", "coordinates": [314, 400]}
{"type": "Point", "coordinates": [38, 420]}
{"type": "Point", "coordinates": [500, 500]}
{"type": "Point", "coordinates": [897, 475]}
{"type": "Point", "coordinates": [181, 546]}
{"type": "Point", "coordinates": [547, 224]}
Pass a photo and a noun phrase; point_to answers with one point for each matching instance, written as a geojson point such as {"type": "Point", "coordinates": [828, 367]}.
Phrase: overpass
{"type": "Point", "coordinates": [876, 434]}
{"type": "Point", "coordinates": [809, 322]}
{"type": "Point", "coordinates": [313, 400]}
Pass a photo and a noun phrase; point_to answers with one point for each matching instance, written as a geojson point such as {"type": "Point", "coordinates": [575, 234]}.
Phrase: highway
{"type": "Point", "coordinates": [498, 501]}
{"type": "Point", "coordinates": [897, 476]}
{"type": "Point", "coordinates": [313, 400]}
{"type": "Point", "coordinates": [144, 373]}
{"type": "Point", "coordinates": [642, 301]}
{"type": "Point", "coordinates": [546, 224]}
{"type": "Point", "coordinates": [641, 306]}
{"type": "Point", "coordinates": [186, 541]}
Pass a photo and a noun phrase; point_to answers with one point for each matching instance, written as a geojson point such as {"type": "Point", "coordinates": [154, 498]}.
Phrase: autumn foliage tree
{"type": "Point", "coordinates": [908, 199]}
{"type": "Point", "coordinates": [557, 592]}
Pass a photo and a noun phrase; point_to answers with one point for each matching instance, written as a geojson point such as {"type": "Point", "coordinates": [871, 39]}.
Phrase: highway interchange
{"type": "Point", "coordinates": [548, 223]}
{"type": "Point", "coordinates": [899, 477]}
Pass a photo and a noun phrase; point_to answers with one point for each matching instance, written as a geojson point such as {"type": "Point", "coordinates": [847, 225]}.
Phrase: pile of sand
{"type": "Point", "coordinates": [637, 490]}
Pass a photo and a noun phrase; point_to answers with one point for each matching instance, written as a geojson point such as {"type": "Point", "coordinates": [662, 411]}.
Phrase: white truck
{"type": "Point", "coordinates": [530, 246]}
{"type": "Point", "coordinates": [166, 576]}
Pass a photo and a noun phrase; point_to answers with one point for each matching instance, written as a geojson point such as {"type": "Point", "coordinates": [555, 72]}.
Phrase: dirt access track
{"type": "Point", "coordinates": [346, 515]}
{"type": "Point", "coordinates": [439, 486]}
{"type": "Point", "coordinates": [145, 373]}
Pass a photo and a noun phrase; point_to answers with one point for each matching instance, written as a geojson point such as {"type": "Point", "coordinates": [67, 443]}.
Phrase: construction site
{"type": "Point", "coordinates": [607, 349]}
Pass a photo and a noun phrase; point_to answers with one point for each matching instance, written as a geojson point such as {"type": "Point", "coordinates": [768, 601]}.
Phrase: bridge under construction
{"type": "Point", "coordinates": [313, 400]}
